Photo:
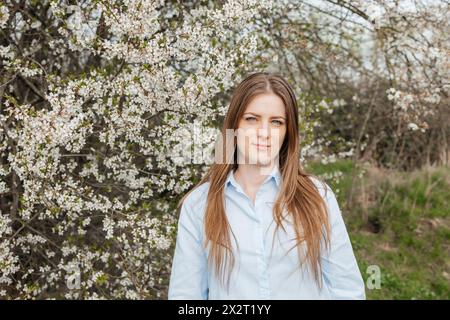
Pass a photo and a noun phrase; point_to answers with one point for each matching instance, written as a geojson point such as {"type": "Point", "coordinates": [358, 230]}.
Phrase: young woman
{"type": "Point", "coordinates": [238, 227]}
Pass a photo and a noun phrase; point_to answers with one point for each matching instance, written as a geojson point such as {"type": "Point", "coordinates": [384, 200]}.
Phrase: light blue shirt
{"type": "Point", "coordinates": [260, 272]}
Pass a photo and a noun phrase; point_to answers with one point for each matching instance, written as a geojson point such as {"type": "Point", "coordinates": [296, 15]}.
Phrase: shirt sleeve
{"type": "Point", "coordinates": [188, 279]}
{"type": "Point", "coordinates": [339, 267]}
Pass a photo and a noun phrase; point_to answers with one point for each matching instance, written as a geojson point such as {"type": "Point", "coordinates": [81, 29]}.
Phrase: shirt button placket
{"type": "Point", "coordinates": [262, 264]}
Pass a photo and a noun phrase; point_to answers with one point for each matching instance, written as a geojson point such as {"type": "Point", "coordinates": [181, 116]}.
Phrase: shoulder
{"type": "Point", "coordinates": [323, 188]}
{"type": "Point", "coordinates": [329, 197]}
{"type": "Point", "coordinates": [196, 199]}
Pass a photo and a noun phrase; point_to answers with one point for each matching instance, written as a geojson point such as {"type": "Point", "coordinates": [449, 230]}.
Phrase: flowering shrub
{"type": "Point", "coordinates": [89, 156]}
{"type": "Point", "coordinates": [373, 76]}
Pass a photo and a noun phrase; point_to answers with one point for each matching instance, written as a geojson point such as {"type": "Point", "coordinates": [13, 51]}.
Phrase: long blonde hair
{"type": "Point", "coordinates": [298, 193]}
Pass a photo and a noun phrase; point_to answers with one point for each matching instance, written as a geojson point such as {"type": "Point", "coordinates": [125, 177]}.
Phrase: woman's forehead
{"type": "Point", "coordinates": [266, 105]}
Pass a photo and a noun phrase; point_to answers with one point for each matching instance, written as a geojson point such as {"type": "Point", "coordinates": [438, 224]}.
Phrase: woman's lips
{"type": "Point", "coordinates": [261, 146]}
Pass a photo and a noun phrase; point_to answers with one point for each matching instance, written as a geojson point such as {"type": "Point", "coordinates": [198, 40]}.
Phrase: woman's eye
{"type": "Point", "coordinates": [277, 122]}
{"type": "Point", "coordinates": [274, 122]}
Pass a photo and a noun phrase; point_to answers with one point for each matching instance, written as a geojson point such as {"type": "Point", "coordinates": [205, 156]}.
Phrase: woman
{"type": "Point", "coordinates": [238, 227]}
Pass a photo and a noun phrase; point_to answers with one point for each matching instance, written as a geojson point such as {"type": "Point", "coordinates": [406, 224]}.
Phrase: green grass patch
{"type": "Point", "coordinates": [398, 222]}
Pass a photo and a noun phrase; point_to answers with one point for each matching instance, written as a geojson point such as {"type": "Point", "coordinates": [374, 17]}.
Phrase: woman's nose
{"type": "Point", "coordinates": [263, 130]}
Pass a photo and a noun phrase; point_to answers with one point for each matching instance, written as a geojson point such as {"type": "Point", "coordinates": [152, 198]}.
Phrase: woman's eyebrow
{"type": "Point", "coordinates": [257, 115]}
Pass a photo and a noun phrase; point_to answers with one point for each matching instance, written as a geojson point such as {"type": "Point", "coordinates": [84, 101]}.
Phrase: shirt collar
{"type": "Point", "coordinates": [275, 175]}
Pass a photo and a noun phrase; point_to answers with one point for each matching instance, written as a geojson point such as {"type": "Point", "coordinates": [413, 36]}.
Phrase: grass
{"type": "Point", "coordinates": [399, 222]}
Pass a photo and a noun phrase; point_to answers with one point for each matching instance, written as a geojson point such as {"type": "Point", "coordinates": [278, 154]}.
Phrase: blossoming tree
{"type": "Point", "coordinates": [91, 95]}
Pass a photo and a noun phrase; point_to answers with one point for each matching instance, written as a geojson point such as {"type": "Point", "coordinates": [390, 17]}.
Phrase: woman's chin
{"type": "Point", "coordinates": [262, 161]}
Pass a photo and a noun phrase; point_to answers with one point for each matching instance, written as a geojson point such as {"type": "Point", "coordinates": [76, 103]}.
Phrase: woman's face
{"type": "Point", "coordinates": [261, 130]}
